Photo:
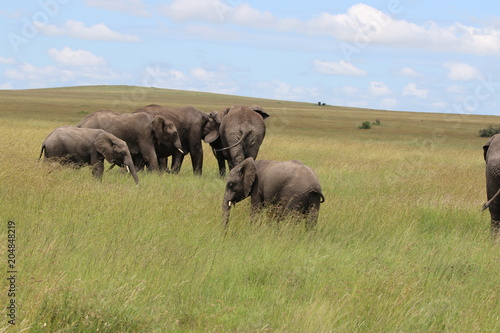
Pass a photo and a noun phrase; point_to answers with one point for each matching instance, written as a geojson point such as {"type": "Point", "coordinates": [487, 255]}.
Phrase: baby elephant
{"type": "Point", "coordinates": [69, 144]}
{"type": "Point", "coordinates": [288, 186]}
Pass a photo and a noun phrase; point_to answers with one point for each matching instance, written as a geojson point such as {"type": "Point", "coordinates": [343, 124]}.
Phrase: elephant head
{"type": "Point", "coordinates": [116, 152]}
{"type": "Point", "coordinates": [238, 185]}
{"type": "Point", "coordinates": [211, 129]}
{"type": "Point", "coordinates": [165, 133]}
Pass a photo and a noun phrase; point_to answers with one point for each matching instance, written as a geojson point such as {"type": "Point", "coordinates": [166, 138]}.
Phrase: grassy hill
{"type": "Point", "coordinates": [401, 243]}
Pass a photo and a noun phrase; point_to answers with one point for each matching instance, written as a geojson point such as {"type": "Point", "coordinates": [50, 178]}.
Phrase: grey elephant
{"type": "Point", "coordinates": [288, 186]}
{"type": "Point", "coordinates": [193, 126]}
{"type": "Point", "coordinates": [80, 146]}
{"type": "Point", "coordinates": [492, 157]}
{"type": "Point", "coordinates": [239, 132]}
{"type": "Point", "coordinates": [141, 131]}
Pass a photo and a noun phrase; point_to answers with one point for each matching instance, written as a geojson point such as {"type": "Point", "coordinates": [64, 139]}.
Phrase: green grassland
{"type": "Point", "coordinates": [401, 243]}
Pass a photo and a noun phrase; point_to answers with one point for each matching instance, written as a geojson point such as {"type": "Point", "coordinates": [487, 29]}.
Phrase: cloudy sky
{"type": "Point", "coordinates": [431, 56]}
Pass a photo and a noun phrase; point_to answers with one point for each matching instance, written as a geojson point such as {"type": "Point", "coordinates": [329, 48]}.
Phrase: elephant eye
{"type": "Point", "coordinates": [123, 153]}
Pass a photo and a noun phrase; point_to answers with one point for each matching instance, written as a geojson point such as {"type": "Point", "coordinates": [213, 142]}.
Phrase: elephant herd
{"type": "Point", "coordinates": [148, 136]}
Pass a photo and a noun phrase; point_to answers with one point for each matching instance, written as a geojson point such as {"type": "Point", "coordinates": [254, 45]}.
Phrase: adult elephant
{"type": "Point", "coordinates": [80, 146]}
{"type": "Point", "coordinates": [289, 186]}
{"type": "Point", "coordinates": [141, 131]}
{"type": "Point", "coordinates": [192, 125]}
{"type": "Point", "coordinates": [239, 132]}
{"type": "Point", "coordinates": [492, 157]}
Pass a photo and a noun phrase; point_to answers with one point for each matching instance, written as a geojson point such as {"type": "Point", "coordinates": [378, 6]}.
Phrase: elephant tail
{"type": "Point", "coordinates": [486, 205]}
{"type": "Point", "coordinates": [41, 152]}
{"type": "Point", "coordinates": [237, 143]}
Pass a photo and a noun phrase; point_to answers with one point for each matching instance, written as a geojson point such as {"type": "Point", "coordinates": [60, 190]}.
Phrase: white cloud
{"type": "Point", "coordinates": [203, 75]}
{"type": "Point", "coordinates": [462, 72]}
{"type": "Point", "coordinates": [56, 75]}
{"type": "Point", "coordinates": [388, 103]}
{"type": "Point", "coordinates": [338, 68]}
{"type": "Point", "coordinates": [412, 90]}
{"type": "Point", "coordinates": [284, 91]}
{"type": "Point", "coordinates": [361, 24]}
{"type": "Point", "coordinates": [196, 79]}
{"type": "Point", "coordinates": [77, 29]}
{"type": "Point", "coordinates": [185, 10]}
{"type": "Point", "coordinates": [68, 57]}
{"type": "Point", "coordinates": [134, 7]}
{"type": "Point", "coordinates": [7, 61]}
{"type": "Point", "coordinates": [407, 71]}
{"type": "Point", "coordinates": [366, 25]}
{"type": "Point", "coordinates": [217, 11]}
{"type": "Point", "coordinates": [379, 89]}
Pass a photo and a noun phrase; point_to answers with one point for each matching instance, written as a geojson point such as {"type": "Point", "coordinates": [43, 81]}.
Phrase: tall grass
{"type": "Point", "coordinates": [401, 244]}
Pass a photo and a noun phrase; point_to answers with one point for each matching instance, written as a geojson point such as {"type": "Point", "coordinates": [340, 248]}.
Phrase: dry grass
{"type": "Point", "coordinates": [401, 244]}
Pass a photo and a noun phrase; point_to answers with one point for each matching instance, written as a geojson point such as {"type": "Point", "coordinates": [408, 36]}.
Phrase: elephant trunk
{"type": "Point", "coordinates": [131, 168]}
{"type": "Point", "coordinates": [226, 208]}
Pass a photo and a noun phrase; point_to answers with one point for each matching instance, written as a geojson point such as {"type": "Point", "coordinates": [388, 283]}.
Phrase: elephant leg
{"type": "Point", "coordinates": [149, 154]}
{"type": "Point", "coordinates": [177, 159]}
{"type": "Point", "coordinates": [256, 205]}
{"type": "Point", "coordinates": [162, 163]}
{"type": "Point", "coordinates": [196, 152]}
{"type": "Point", "coordinates": [221, 161]}
{"type": "Point", "coordinates": [312, 214]}
{"type": "Point", "coordinates": [236, 156]}
{"type": "Point", "coordinates": [495, 229]}
{"type": "Point", "coordinates": [494, 208]}
{"type": "Point", "coordinates": [98, 169]}
{"type": "Point", "coordinates": [138, 161]}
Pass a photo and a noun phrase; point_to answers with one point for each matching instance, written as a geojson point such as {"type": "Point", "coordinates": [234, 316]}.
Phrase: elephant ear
{"type": "Point", "coordinates": [487, 146]}
{"type": "Point", "coordinates": [247, 172]}
{"type": "Point", "coordinates": [260, 111]}
{"type": "Point", "coordinates": [212, 127]}
{"type": "Point", "coordinates": [158, 123]}
{"type": "Point", "coordinates": [104, 145]}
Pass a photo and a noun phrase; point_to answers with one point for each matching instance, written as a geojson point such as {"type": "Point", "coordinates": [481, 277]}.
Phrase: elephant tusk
{"type": "Point", "coordinates": [128, 169]}
{"type": "Point", "coordinates": [230, 203]}
{"type": "Point", "coordinates": [182, 152]}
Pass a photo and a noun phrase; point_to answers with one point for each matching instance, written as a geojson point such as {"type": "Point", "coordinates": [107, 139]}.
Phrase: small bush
{"type": "Point", "coordinates": [376, 122]}
{"type": "Point", "coordinates": [489, 131]}
{"type": "Point", "coordinates": [365, 125]}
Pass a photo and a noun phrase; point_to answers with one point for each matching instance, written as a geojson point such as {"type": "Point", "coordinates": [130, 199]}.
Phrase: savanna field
{"type": "Point", "coordinates": [401, 243]}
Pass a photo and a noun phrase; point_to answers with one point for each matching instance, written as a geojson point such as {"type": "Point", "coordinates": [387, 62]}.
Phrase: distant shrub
{"type": "Point", "coordinates": [489, 131]}
{"type": "Point", "coordinates": [376, 122]}
{"type": "Point", "coordinates": [365, 125]}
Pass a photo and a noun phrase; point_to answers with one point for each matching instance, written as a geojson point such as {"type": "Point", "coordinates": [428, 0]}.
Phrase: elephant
{"type": "Point", "coordinates": [239, 133]}
{"type": "Point", "coordinates": [70, 144]}
{"type": "Point", "coordinates": [141, 131]}
{"type": "Point", "coordinates": [492, 157]}
{"type": "Point", "coordinates": [289, 186]}
{"type": "Point", "coordinates": [193, 125]}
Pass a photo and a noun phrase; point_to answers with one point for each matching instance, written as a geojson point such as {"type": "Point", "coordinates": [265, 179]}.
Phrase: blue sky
{"type": "Point", "coordinates": [405, 55]}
